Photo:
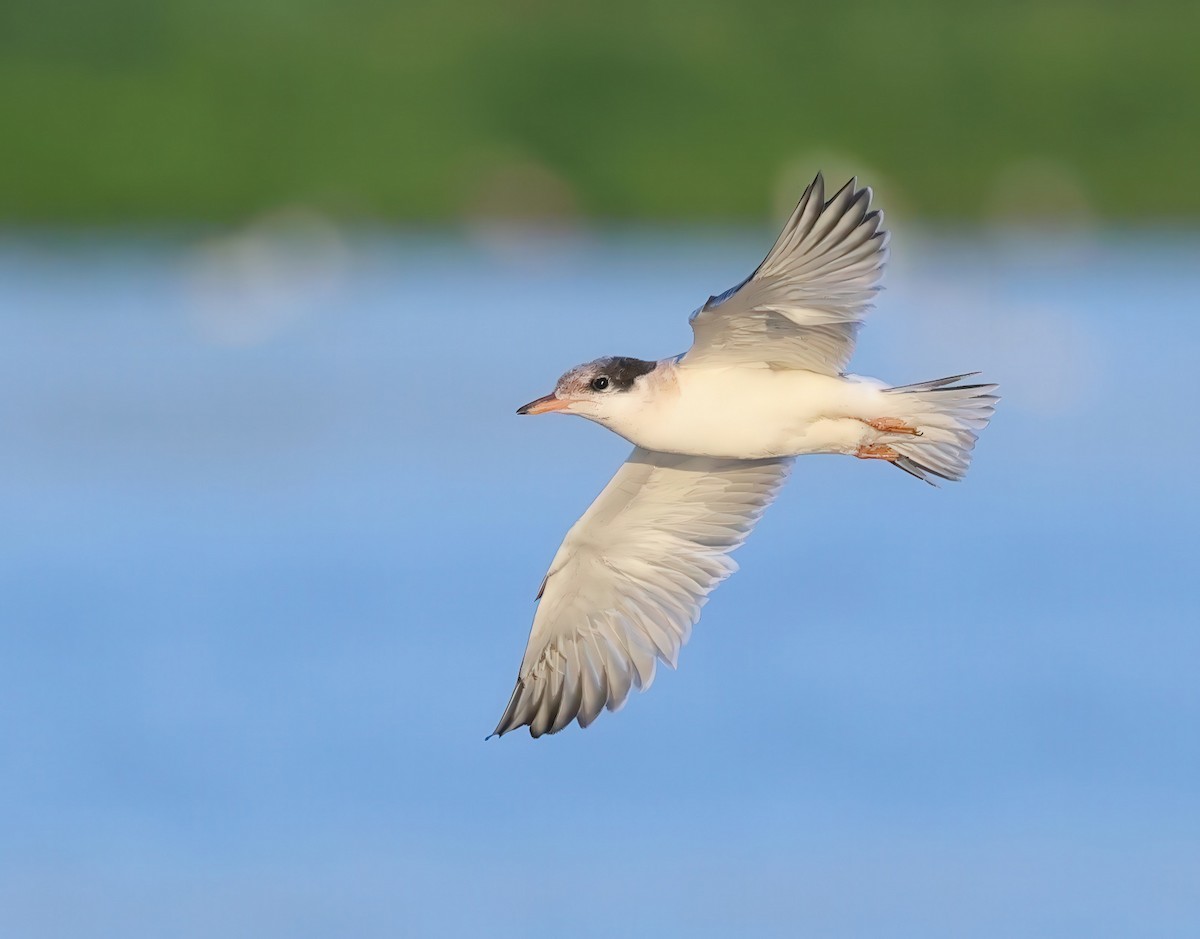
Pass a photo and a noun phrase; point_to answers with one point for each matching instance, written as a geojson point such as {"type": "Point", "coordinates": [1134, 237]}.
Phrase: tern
{"type": "Point", "coordinates": [714, 432]}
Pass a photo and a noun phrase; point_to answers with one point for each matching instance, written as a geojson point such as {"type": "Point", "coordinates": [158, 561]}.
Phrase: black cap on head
{"type": "Point", "coordinates": [623, 370]}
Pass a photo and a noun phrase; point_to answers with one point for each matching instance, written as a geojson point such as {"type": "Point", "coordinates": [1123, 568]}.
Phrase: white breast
{"type": "Point", "coordinates": [748, 413]}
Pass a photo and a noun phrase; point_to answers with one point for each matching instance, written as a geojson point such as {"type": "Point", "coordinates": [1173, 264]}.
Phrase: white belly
{"type": "Point", "coordinates": [746, 413]}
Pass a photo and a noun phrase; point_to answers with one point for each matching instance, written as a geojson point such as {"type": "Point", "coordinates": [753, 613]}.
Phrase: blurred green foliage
{"type": "Point", "coordinates": [145, 110]}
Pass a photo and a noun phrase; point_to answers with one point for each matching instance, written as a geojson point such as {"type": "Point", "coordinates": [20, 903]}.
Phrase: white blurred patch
{"type": "Point", "coordinates": [518, 188]}
{"type": "Point", "coordinates": [1039, 192]}
{"type": "Point", "coordinates": [247, 288]}
{"type": "Point", "coordinates": [520, 210]}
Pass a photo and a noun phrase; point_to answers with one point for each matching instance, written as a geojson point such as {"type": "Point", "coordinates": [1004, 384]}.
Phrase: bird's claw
{"type": "Point", "coordinates": [891, 425]}
{"type": "Point", "coordinates": [877, 451]}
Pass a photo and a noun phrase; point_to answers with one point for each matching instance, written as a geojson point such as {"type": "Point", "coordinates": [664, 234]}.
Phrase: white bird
{"type": "Point", "coordinates": [714, 433]}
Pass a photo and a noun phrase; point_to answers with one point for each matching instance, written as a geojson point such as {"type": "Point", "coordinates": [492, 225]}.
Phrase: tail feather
{"type": "Point", "coordinates": [949, 416]}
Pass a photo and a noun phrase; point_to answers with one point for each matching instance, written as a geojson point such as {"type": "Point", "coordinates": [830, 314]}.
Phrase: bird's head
{"type": "Point", "coordinates": [604, 390]}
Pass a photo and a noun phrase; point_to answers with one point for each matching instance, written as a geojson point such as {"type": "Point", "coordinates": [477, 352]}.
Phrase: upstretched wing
{"type": "Point", "coordinates": [803, 307]}
{"type": "Point", "coordinates": [628, 583]}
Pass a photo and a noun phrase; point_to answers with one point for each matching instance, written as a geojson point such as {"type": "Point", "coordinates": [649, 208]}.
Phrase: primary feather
{"type": "Point", "coordinates": [627, 585]}
{"type": "Point", "coordinates": [804, 304]}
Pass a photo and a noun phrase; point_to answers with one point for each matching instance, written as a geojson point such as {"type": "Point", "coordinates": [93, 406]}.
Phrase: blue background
{"type": "Point", "coordinates": [272, 535]}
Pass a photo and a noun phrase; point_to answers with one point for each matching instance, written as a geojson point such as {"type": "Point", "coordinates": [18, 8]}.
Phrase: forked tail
{"type": "Point", "coordinates": [949, 416]}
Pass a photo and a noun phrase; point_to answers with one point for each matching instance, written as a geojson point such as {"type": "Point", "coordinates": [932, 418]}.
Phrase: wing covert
{"type": "Point", "coordinates": [802, 307]}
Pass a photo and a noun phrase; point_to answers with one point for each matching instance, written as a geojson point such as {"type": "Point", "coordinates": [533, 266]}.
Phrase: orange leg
{"type": "Point", "coordinates": [877, 451]}
{"type": "Point", "coordinates": [891, 425]}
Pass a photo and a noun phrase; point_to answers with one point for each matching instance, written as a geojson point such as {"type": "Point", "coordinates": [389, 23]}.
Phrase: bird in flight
{"type": "Point", "coordinates": [714, 433]}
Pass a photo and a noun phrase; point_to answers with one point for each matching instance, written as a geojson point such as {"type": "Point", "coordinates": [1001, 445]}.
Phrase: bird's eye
{"type": "Point", "coordinates": [599, 384]}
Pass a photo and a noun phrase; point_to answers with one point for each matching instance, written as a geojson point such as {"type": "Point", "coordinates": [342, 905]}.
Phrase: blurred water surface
{"type": "Point", "coordinates": [272, 534]}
